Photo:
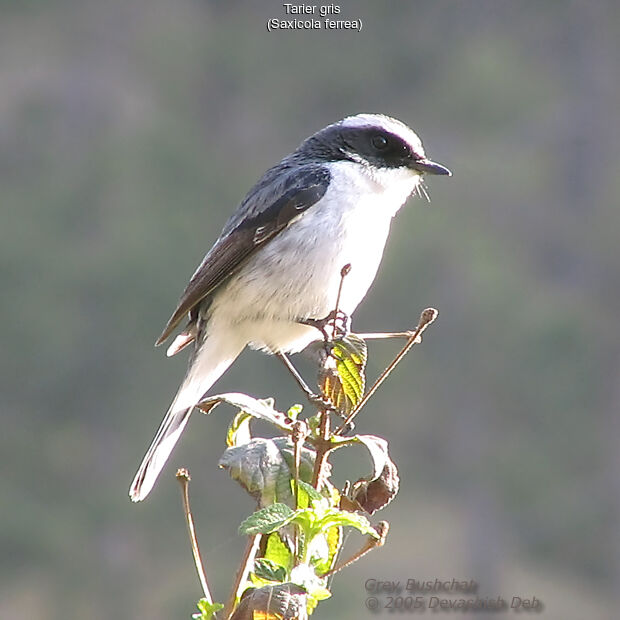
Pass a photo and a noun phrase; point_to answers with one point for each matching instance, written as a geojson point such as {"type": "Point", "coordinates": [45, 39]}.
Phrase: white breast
{"type": "Point", "coordinates": [297, 275]}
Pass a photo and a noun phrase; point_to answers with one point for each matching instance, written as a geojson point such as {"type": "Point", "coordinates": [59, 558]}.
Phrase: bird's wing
{"type": "Point", "coordinates": [273, 204]}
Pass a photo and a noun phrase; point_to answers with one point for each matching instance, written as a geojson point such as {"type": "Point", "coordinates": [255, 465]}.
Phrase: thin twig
{"type": "Point", "coordinates": [323, 447]}
{"type": "Point", "coordinates": [247, 562]}
{"type": "Point", "coordinates": [298, 378]}
{"type": "Point", "coordinates": [426, 318]}
{"type": "Point", "coordinates": [298, 436]}
{"type": "Point", "coordinates": [344, 272]}
{"type": "Point", "coordinates": [371, 543]}
{"type": "Point", "coordinates": [385, 335]}
{"type": "Point", "coordinates": [300, 431]}
{"type": "Point", "coordinates": [183, 477]}
{"type": "Point", "coordinates": [313, 398]}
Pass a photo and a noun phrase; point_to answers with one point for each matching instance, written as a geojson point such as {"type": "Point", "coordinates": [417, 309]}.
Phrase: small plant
{"type": "Point", "coordinates": [296, 534]}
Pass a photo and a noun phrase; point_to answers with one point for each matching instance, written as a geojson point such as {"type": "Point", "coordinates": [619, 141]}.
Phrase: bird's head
{"type": "Point", "coordinates": [383, 146]}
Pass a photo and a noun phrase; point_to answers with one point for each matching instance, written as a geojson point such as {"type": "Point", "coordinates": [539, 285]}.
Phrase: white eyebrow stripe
{"type": "Point", "coordinates": [388, 124]}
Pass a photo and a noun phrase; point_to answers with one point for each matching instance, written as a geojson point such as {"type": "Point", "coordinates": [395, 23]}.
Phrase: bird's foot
{"type": "Point", "coordinates": [321, 401]}
{"type": "Point", "coordinates": [334, 326]}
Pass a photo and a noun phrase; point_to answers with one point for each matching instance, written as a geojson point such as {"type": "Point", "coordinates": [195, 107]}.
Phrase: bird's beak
{"type": "Point", "coordinates": [429, 167]}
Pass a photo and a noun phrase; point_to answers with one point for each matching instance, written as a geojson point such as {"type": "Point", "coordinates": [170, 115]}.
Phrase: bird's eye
{"type": "Point", "coordinates": [379, 142]}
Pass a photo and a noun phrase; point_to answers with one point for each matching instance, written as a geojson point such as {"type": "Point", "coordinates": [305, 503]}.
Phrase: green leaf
{"type": "Point", "coordinates": [306, 467]}
{"type": "Point", "coordinates": [294, 411]}
{"type": "Point", "coordinates": [314, 597]}
{"type": "Point", "coordinates": [333, 541]}
{"type": "Point", "coordinates": [343, 380]}
{"type": "Point", "coordinates": [349, 519]}
{"type": "Point", "coordinates": [305, 518]}
{"type": "Point", "coordinates": [260, 469]}
{"type": "Point", "coordinates": [264, 468]}
{"type": "Point", "coordinates": [270, 570]}
{"type": "Point", "coordinates": [267, 520]}
{"type": "Point", "coordinates": [314, 421]}
{"type": "Point", "coordinates": [277, 551]}
{"type": "Point", "coordinates": [312, 494]}
{"type": "Point", "coordinates": [207, 609]}
{"type": "Point", "coordinates": [239, 430]}
{"type": "Point", "coordinates": [257, 408]}
{"type": "Point", "coordinates": [334, 544]}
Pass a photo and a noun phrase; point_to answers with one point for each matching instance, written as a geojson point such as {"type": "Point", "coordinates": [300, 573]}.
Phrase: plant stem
{"type": "Point", "coordinates": [242, 573]}
{"type": "Point", "coordinates": [382, 529]}
{"type": "Point", "coordinates": [323, 447]}
{"type": "Point", "coordinates": [385, 335]}
{"type": "Point", "coordinates": [426, 318]}
{"type": "Point", "coordinates": [344, 272]}
{"type": "Point", "coordinates": [183, 477]}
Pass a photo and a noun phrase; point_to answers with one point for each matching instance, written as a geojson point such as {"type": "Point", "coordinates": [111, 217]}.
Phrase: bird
{"type": "Point", "coordinates": [275, 271]}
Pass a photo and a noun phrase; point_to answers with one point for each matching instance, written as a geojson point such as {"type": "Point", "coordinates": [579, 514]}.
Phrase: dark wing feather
{"type": "Point", "coordinates": [284, 197]}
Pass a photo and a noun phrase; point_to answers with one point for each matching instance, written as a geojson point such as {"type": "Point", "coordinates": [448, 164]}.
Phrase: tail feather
{"type": "Point", "coordinates": [210, 362]}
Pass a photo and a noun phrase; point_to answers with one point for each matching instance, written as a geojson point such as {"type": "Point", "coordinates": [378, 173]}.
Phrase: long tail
{"type": "Point", "coordinates": [210, 362]}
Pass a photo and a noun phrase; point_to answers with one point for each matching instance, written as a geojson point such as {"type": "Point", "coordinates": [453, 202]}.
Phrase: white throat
{"type": "Point", "coordinates": [382, 189]}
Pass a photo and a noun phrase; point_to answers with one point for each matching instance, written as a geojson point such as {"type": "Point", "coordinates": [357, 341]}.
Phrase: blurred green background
{"type": "Point", "coordinates": [129, 131]}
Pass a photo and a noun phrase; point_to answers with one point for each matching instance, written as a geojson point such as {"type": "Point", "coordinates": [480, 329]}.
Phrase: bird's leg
{"type": "Point", "coordinates": [334, 326]}
{"type": "Point", "coordinates": [316, 399]}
